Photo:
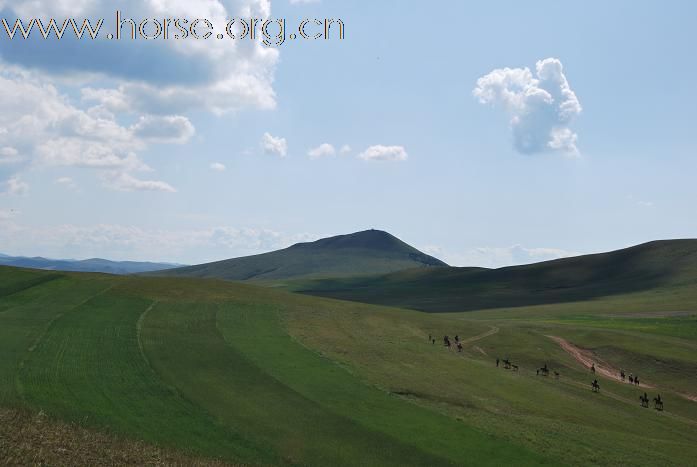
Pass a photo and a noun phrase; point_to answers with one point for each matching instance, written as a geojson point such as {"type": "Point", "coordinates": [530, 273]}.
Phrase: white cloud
{"type": "Point", "coordinates": [384, 153]}
{"type": "Point", "coordinates": [130, 242]}
{"type": "Point", "coordinates": [541, 106]}
{"type": "Point", "coordinates": [274, 145]}
{"type": "Point", "coordinates": [66, 182]}
{"type": "Point", "coordinates": [165, 76]}
{"type": "Point", "coordinates": [9, 155]}
{"type": "Point", "coordinates": [496, 257]}
{"type": "Point", "coordinates": [345, 149]}
{"type": "Point", "coordinates": [218, 167]}
{"type": "Point", "coordinates": [48, 130]}
{"type": "Point", "coordinates": [323, 150]}
{"type": "Point", "coordinates": [123, 181]}
{"type": "Point", "coordinates": [16, 187]}
{"type": "Point", "coordinates": [168, 129]}
{"type": "Point", "coordinates": [303, 2]}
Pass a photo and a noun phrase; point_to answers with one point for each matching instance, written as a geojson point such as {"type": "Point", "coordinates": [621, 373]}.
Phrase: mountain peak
{"type": "Point", "coordinates": [360, 253]}
{"type": "Point", "coordinates": [367, 239]}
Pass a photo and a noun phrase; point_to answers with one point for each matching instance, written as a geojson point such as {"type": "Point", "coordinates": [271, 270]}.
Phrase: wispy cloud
{"type": "Point", "coordinates": [496, 257]}
{"type": "Point", "coordinates": [384, 153]}
{"type": "Point", "coordinates": [16, 187]}
{"type": "Point", "coordinates": [323, 150]}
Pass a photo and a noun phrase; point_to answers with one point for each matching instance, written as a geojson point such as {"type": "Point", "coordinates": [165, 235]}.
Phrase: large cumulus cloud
{"type": "Point", "coordinates": [542, 106]}
{"type": "Point", "coordinates": [100, 104]}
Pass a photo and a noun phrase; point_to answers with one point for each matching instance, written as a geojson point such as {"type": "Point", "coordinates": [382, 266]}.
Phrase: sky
{"type": "Point", "coordinates": [484, 133]}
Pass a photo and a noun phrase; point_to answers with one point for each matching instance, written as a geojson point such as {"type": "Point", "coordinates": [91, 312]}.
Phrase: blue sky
{"type": "Point", "coordinates": [190, 152]}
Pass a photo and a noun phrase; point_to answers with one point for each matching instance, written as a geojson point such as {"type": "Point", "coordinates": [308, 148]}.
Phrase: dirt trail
{"type": "Point", "coordinates": [586, 358]}
{"type": "Point", "coordinates": [490, 332]}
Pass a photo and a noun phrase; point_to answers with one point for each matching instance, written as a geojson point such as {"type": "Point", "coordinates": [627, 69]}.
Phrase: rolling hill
{"type": "Point", "coordinates": [86, 265]}
{"type": "Point", "coordinates": [669, 264]}
{"type": "Point", "coordinates": [183, 368]}
{"type": "Point", "coordinates": [361, 253]}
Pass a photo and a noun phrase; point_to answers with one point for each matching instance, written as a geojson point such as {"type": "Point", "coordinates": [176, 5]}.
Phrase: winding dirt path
{"type": "Point", "coordinates": [587, 358]}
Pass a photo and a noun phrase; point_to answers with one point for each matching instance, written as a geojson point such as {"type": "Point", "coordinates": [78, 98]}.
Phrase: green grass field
{"type": "Point", "coordinates": [260, 376]}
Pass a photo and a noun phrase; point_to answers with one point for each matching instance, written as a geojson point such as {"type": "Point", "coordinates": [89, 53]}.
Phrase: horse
{"type": "Point", "coordinates": [595, 386]}
{"type": "Point", "coordinates": [506, 364]}
{"type": "Point", "coordinates": [544, 370]}
{"type": "Point", "coordinates": [515, 367]}
{"type": "Point", "coordinates": [657, 402]}
{"type": "Point", "coordinates": [631, 379]}
{"type": "Point", "coordinates": [644, 400]}
{"type": "Point", "coordinates": [556, 374]}
{"type": "Point", "coordinates": [459, 346]}
{"type": "Point", "coordinates": [622, 375]}
{"type": "Point", "coordinates": [636, 380]}
{"type": "Point", "coordinates": [446, 341]}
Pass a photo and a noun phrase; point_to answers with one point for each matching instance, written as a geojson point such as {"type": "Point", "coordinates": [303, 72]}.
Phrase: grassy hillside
{"type": "Point", "coordinates": [209, 368]}
{"type": "Point", "coordinates": [369, 252]}
{"type": "Point", "coordinates": [255, 375]}
{"type": "Point", "coordinates": [667, 266]}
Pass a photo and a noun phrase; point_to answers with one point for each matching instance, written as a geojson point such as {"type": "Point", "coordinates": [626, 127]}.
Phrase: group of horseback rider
{"type": "Point", "coordinates": [446, 341]}
{"type": "Point", "coordinates": [544, 371]}
{"type": "Point", "coordinates": [458, 344]}
{"type": "Point", "coordinates": [507, 364]}
{"type": "Point", "coordinates": [657, 401]}
{"type": "Point", "coordinates": [632, 379]}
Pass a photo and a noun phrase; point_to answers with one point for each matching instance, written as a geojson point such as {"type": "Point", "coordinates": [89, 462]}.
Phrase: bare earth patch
{"type": "Point", "coordinates": [588, 358]}
{"type": "Point", "coordinates": [34, 439]}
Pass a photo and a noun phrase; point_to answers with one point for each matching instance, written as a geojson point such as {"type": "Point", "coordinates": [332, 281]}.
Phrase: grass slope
{"type": "Point", "coordinates": [670, 266]}
{"type": "Point", "coordinates": [369, 252]}
{"type": "Point", "coordinates": [207, 367]}
{"type": "Point", "coordinates": [256, 375]}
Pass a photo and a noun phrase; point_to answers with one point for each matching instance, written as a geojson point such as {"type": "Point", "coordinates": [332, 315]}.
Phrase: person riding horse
{"type": "Point", "coordinates": [644, 400]}
{"type": "Point", "coordinates": [622, 375]}
{"type": "Point", "coordinates": [657, 402]}
{"type": "Point", "coordinates": [446, 341]}
{"type": "Point", "coordinates": [595, 385]}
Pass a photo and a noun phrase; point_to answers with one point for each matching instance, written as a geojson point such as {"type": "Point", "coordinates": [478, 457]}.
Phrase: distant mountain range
{"type": "Point", "coordinates": [87, 265]}
{"type": "Point", "coordinates": [357, 254]}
